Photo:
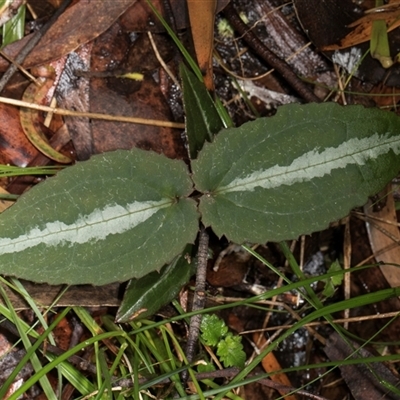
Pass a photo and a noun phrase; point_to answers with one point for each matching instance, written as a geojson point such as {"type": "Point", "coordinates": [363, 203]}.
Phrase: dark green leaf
{"type": "Point", "coordinates": [145, 296]}
{"type": "Point", "coordinates": [277, 178]}
{"type": "Point", "coordinates": [115, 217]}
{"type": "Point", "coordinates": [202, 118]}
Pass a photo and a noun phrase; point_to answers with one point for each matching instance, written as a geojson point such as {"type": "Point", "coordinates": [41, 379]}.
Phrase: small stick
{"type": "Point", "coordinates": [268, 56]}
{"type": "Point", "coordinates": [106, 117]}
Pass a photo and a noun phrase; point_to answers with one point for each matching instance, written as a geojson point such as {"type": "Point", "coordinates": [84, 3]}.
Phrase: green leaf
{"type": "Point", "coordinates": [202, 118]}
{"type": "Point", "coordinates": [330, 284]}
{"type": "Point", "coordinates": [277, 178]}
{"type": "Point", "coordinates": [145, 296]}
{"type": "Point", "coordinates": [212, 329]}
{"type": "Point", "coordinates": [230, 351]}
{"type": "Point", "coordinates": [118, 216]}
{"type": "Point", "coordinates": [14, 29]}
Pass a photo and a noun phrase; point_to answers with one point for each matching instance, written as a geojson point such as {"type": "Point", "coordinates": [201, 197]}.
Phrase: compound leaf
{"type": "Point", "coordinates": [118, 216]}
{"type": "Point", "coordinates": [230, 351]}
{"type": "Point", "coordinates": [277, 178]}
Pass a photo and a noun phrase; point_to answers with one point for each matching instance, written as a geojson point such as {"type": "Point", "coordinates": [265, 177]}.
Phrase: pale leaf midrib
{"type": "Point", "coordinates": [95, 226]}
{"type": "Point", "coordinates": [374, 146]}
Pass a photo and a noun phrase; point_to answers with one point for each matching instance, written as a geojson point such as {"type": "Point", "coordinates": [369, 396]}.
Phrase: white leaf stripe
{"type": "Point", "coordinates": [315, 164]}
{"type": "Point", "coordinates": [97, 225]}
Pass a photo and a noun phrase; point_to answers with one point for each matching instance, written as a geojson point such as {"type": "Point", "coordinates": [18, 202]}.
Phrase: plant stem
{"type": "Point", "coordinates": [199, 298]}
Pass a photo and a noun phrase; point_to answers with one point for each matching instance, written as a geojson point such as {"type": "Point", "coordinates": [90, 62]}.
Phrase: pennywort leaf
{"type": "Point", "coordinates": [212, 329]}
{"type": "Point", "coordinates": [215, 333]}
{"type": "Point", "coordinates": [230, 351]}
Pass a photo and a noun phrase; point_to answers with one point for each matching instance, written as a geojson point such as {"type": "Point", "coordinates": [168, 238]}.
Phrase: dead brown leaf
{"type": "Point", "coordinates": [363, 28]}
{"type": "Point", "coordinates": [119, 96]}
{"type": "Point", "coordinates": [384, 235]}
{"type": "Point", "coordinates": [271, 365]}
{"type": "Point", "coordinates": [202, 16]}
{"type": "Point", "coordinates": [15, 148]}
{"type": "Point", "coordinates": [78, 25]}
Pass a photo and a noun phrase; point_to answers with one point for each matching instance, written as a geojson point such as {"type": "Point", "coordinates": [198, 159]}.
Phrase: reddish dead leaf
{"type": "Point", "coordinates": [62, 334]}
{"type": "Point", "coordinates": [385, 96]}
{"type": "Point", "coordinates": [236, 323]}
{"type": "Point", "coordinates": [271, 364]}
{"type": "Point", "coordinates": [78, 25]}
{"type": "Point", "coordinates": [202, 16]}
{"type": "Point", "coordinates": [15, 148]}
{"type": "Point", "coordinates": [12, 50]}
{"type": "Point", "coordinates": [86, 20]}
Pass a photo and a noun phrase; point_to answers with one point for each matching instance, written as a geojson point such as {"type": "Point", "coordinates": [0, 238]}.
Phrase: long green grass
{"type": "Point", "coordinates": [144, 359]}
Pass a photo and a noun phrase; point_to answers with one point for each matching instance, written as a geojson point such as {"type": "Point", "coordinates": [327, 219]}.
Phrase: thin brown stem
{"type": "Point", "coordinates": [268, 56]}
{"type": "Point", "coordinates": [199, 298]}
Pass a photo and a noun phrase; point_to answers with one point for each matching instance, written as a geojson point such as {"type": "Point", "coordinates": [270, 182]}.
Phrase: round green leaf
{"type": "Point", "coordinates": [277, 178]}
{"type": "Point", "coordinates": [118, 216]}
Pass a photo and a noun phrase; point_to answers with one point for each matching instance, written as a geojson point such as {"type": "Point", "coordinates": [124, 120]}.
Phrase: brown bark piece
{"type": "Point", "coordinates": [361, 379]}
{"type": "Point", "coordinates": [384, 235]}
{"type": "Point", "coordinates": [84, 295]}
{"type": "Point", "coordinates": [73, 94]}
